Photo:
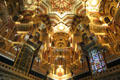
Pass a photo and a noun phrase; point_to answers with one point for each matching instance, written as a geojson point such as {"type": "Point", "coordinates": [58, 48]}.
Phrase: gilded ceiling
{"type": "Point", "coordinates": [58, 31]}
{"type": "Point", "coordinates": [62, 5]}
{"type": "Point", "coordinates": [58, 10]}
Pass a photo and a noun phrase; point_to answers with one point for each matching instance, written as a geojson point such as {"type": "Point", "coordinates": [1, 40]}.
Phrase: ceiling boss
{"type": "Point", "coordinates": [62, 5]}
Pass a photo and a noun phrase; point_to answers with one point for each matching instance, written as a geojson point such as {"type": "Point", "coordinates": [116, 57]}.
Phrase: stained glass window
{"type": "Point", "coordinates": [97, 61]}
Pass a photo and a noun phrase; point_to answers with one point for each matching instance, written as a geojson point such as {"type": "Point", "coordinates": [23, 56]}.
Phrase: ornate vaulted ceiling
{"type": "Point", "coordinates": [60, 27]}
{"type": "Point", "coordinates": [58, 10]}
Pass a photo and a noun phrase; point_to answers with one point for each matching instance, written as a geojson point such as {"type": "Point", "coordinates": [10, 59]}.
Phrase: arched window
{"type": "Point", "coordinates": [96, 61]}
